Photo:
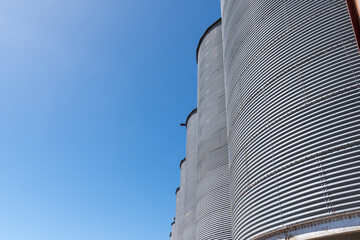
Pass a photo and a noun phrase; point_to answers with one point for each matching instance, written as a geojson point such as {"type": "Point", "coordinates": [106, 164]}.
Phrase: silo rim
{"type": "Point", "coordinates": [203, 36]}
{"type": "Point", "coordinates": [188, 117]}
{"type": "Point", "coordinates": [182, 161]}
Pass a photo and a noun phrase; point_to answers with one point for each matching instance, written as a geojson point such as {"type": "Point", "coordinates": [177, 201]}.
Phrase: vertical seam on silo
{"type": "Point", "coordinates": [324, 185]}
{"type": "Point", "coordinates": [270, 44]}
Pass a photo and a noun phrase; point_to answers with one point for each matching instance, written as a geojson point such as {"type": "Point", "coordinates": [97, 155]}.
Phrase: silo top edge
{"type": "Point", "coordinates": [182, 161]}
{"type": "Point", "coordinates": [204, 35]}
{"type": "Point", "coordinates": [192, 112]}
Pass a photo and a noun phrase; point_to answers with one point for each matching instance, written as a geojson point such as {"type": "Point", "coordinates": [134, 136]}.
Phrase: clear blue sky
{"type": "Point", "coordinates": [91, 96]}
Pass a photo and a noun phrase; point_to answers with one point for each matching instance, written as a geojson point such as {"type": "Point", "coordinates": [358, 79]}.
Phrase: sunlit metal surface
{"type": "Point", "coordinates": [213, 207]}
{"type": "Point", "coordinates": [180, 205]}
{"type": "Point", "coordinates": [293, 114]}
{"type": "Point", "coordinates": [172, 237]}
{"type": "Point", "coordinates": [191, 177]}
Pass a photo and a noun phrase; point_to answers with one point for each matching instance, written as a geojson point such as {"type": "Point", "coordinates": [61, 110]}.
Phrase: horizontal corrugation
{"type": "Point", "coordinates": [213, 205]}
{"type": "Point", "coordinates": [213, 124]}
{"type": "Point", "coordinates": [214, 159]}
{"type": "Point", "coordinates": [207, 183]}
{"type": "Point", "coordinates": [212, 143]}
{"type": "Point", "coordinates": [277, 47]}
{"type": "Point", "coordinates": [293, 113]}
{"type": "Point", "coordinates": [253, 77]}
{"type": "Point", "coordinates": [214, 225]}
{"type": "Point", "coordinates": [213, 195]}
{"type": "Point", "coordinates": [190, 200]}
{"type": "Point", "coordinates": [180, 205]}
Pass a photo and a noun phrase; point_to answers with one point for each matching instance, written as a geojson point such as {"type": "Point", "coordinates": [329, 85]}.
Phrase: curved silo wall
{"type": "Point", "coordinates": [180, 202]}
{"type": "Point", "coordinates": [292, 97]}
{"type": "Point", "coordinates": [177, 213]}
{"type": "Point", "coordinates": [191, 177]}
{"type": "Point", "coordinates": [213, 207]}
{"type": "Point", "coordinates": [172, 237]}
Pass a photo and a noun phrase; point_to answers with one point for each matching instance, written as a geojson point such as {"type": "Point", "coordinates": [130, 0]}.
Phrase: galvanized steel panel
{"type": "Point", "coordinates": [191, 177]}
{"type": "Point", "coordinates": [293, 115]}
{"type": "Point", "coordinates": [213, 206]}
{"type": "Point", "coordinates": [180, 204]}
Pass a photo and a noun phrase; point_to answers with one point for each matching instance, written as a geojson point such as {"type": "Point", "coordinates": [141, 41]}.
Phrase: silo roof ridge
{"type": "Point", "coordinates": [188, 117]}
{"type": "Point", "coordinates": [182, 161]}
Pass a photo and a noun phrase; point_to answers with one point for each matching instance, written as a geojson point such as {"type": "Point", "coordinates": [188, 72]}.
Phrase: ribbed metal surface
{"type": "Point", "coordinates": [293, 104]}
{"type": "Point", "coordinates": [180, 204]}
{"type": "Point", "coordinates": [191, 177]}
{"type": "Point", "coordinates": [213, 207]}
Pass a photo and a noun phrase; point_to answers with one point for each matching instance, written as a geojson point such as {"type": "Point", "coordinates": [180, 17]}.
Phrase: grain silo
{"type": "Point", "coordinates": [191, 177]}
{"type": "Point", "coordinates": [213, 207]}
{"type": "Point", "coordinates": [180, 203]}
{"type": "Point", "coordinates": [293, 104]}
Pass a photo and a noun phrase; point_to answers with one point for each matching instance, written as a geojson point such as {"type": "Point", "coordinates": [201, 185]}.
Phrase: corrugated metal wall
{"type": "Point", "coordinates": [172, 237]}
{"type": "Point", "coordinates": [191, 177]}
{"type": "Point", "coordinates": [290, 134]}
{"type": "Point", "coordinates": [213, 207]}
{"type": "Point", "coordinates": [292, 97]}
{"type": "Point", "coordinates": [175, 231]}
{"type": "Point", "coordinates": [180, 203]}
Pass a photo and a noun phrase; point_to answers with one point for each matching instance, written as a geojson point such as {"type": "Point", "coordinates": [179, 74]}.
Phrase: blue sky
{"type": "Point", "coordinates": [91, 96]}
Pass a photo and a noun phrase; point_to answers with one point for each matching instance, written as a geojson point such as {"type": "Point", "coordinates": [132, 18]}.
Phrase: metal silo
{"type": "Point", "coordinates": [180, 203]}
{"type": "Point", "coordinates": [177, 213]}
{"type": "Point", "coordinates": [292, 73]}
{"type": "Point", "coordinates": [172, 237]}
{"type": "Point", "coordinates": [213, 206]}
{"type": "Point", "coordinates": [191, 177]}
